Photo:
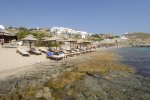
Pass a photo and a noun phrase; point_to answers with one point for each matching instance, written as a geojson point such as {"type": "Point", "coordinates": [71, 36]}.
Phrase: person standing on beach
{"type": "Point", "coordinates": [2, 42]}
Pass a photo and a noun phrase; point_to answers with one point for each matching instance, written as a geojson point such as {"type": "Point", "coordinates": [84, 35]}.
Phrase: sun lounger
{"type": "Point", "coordinates": [22, 52]}
{"type": "Point", "coordinates": [81, 51]}
{"type": "Point", "coordinates": [42, 49]}
{"type": "Point", "coordinates": [68, 53]}
{"type": "Point", "coordinates": [75, 52]}
{"type": "Point", "coordinates": [91, 50]}
{"type": "Point", "coordinates": [53, 57]}
{"type": "Point", "coordinates": [35, 51]}
{"type": "Point", "coordinates": [61, 54]}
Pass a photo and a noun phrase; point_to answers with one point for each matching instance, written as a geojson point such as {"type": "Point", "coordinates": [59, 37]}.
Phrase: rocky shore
{"type": "Point", "coordinates": [95, 76]}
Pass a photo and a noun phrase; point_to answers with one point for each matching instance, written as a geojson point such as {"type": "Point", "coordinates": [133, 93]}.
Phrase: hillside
{"type": "Point", "coordinates": [138, 35]}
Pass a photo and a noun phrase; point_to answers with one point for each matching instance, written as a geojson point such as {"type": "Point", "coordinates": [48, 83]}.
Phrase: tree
{"type": "Point", "coordinates": [22, 33]}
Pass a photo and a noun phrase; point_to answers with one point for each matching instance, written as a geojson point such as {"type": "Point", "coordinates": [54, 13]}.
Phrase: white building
{"type": "Point", "coordinates": [61, 30]}
{"type": "Point", "coordinates": [2, 27]}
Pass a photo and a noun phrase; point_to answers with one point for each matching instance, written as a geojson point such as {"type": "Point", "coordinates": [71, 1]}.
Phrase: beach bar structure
{"type": "Point", "coordinates": [7, 36]}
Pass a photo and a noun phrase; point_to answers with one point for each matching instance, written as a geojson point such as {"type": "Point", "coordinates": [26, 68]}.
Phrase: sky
{"type": "Point", "coordinates": [94, 16]}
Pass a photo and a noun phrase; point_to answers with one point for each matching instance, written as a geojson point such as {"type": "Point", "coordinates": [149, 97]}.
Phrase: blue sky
{"type": "Point", "coordinates": [95, 16]}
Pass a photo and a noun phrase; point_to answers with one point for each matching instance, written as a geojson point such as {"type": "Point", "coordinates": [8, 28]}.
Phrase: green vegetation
{"type": "Point", "coordinates": [22, 33]}
{"type": "Point", "coordinates": [100, 37]}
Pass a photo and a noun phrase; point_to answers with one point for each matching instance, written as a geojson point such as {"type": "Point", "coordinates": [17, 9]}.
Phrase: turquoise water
{"type": "Point", "coordinates": [138, 57]}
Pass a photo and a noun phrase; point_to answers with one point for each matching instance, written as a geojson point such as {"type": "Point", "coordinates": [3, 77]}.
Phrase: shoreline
{"type": "Point", "coordinates": [94, 75]}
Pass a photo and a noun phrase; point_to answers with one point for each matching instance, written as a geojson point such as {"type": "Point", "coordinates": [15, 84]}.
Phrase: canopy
{"type": "Point", "coordinates": [30, 35]}
{"type": "Point", "coordinates": [71, 40]}
{"type": "Point", "coordinates": [5, 32]}
{"type": "Point", "coordinates": [29, 38]}
{"type": "Point", "coordinates": [80, 41]}
{"type": "Point", "coordinates": [55, 38]}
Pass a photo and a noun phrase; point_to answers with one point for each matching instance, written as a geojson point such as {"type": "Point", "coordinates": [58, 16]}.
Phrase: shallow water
{"type": "Point", "coordinates": [138, 57]}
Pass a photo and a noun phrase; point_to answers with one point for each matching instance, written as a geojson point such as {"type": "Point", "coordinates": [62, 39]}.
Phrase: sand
{"type": "Point", "coordinates": [10, 61]}
{"type": "Point", "coordinates": [13, 63]}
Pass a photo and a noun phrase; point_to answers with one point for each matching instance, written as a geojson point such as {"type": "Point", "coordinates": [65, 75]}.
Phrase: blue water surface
{"type": "Point", "coordinates": [138, 57]}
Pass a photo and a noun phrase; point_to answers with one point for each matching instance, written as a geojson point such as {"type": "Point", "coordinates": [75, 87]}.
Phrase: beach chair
{"type": "Point", "coordinates": [75, 52]}
{"type": "Point", "coordinates": [42, 49]}
{"type": "Point", "coordinates": [35, 51]}
{"type": "Point", "coordinates": [52, 56]}
{"type": "Point", "coordinates": [68, 53]}
{"type": "Point", "coordinates": [22, 52]}
{"type": "Point", "coordinates": [81, 52]}
{"type": "Point", "coordinates": [61, 54]}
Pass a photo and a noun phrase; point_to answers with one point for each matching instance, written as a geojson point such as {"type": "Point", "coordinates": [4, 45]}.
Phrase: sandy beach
{"type": "Point", "coordinates": [12, 62]}
{"type": "Point", "coordinates": [9, 59]}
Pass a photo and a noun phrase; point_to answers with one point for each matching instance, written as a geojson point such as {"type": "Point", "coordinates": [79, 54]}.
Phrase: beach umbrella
{"type": "Point", "coordinates": [70, 40]}
{"type": "Point", "coordinates": [30, 35]}
{"type": "Point", "coordinates": [3, 33]}
{"type": "Point", "coordinates": [54, 39]}
{"type": "Point", "coordinates": [29, 38]}
{"type": "Point", "coordinates": [87, 42]}
{"type": "Point", "coordinates": [80, 41]}
{"type": "Point", "coordinates": [45, 38]}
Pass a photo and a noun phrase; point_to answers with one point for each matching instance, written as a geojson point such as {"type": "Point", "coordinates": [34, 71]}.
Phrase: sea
{"type": "Point", "coordinates": [137, 57]}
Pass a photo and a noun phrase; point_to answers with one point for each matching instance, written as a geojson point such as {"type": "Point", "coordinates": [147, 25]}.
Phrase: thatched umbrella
{"type": "Point", "coordinates": [30, 35]}
{"type": "Point", "coordinates": [87, 42]}
{"type": "Point", "coordinates": [3, 33]}
{"type": "Point", "coordinates": [29, 38]}
{"type": "Point", "coordinates": [80, 41]}
{"type": "Point", "coordinates": [55, 39]}
{"type": "Point", "coordinates": [45, 38]}
{"type": "Point", "coordinates": [71, 41]}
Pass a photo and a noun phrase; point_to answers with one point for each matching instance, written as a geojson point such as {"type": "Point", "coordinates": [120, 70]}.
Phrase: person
{"type": "Point", "coordinates": [2, 42]}
{"type": "Point", "coordinates": [77, 47]}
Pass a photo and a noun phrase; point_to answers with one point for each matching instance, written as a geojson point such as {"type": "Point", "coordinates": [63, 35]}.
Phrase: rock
{"type": "Point", "coordinates": [46, 89]}
{"type": "Point", "coordinates": [93, 97]}
{"type": "Point", "coordinates": [87, 93]}
{"type": "Point", "coordinates": [69, 98]}
{"type": "Point", "coordinates": [39, 94]}
{"type": "Point", "coordinates": [47, 93]}
{"type": "Point", "coordinates": [80, 96]}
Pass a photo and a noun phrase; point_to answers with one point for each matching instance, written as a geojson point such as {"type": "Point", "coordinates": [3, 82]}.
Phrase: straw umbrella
{"type": "Point", "coordinates": [30, 35]}
{"type": "Point", "coordinates": [80, 41]}
{"type": "Point", "coordinates": [3, 32]}
{"type": "Point", "coordinates": [54, 39]}
{"type": "Point", "coordinates": [71, 41]}
{"type": "Point", "coordinates": [29, 38]}
{"type": "Point", "coordinates": [45, 38]}
{"type": "Point", "coordinates": [87, 42]}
